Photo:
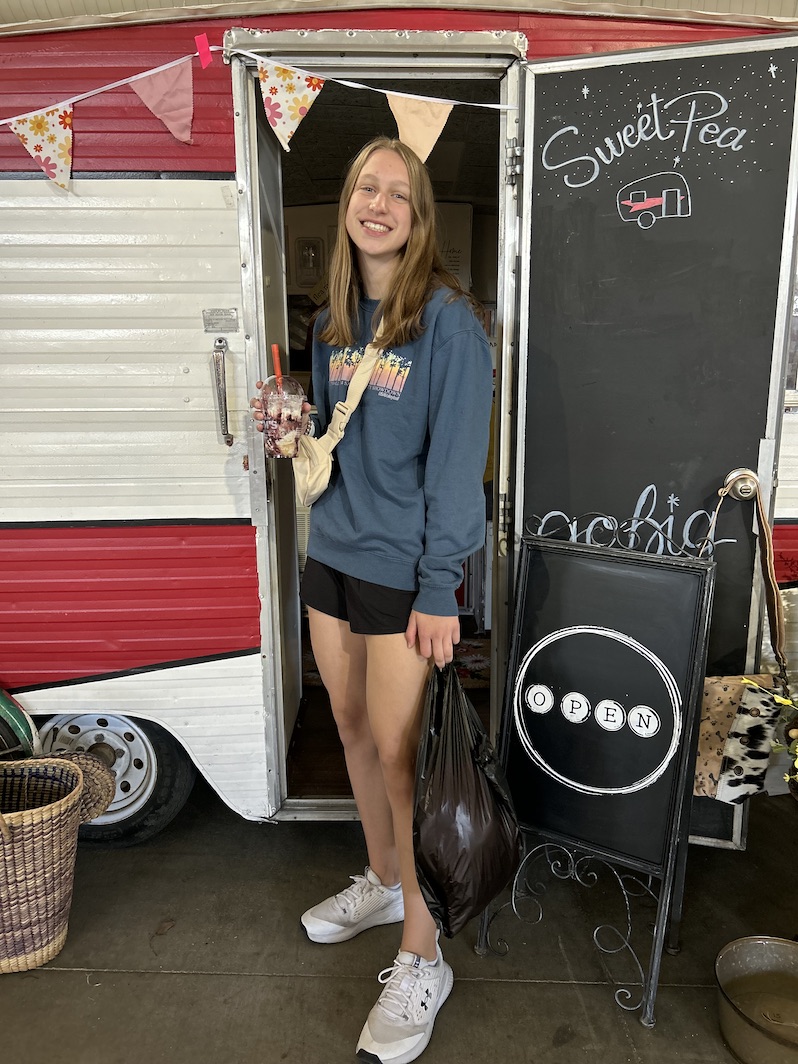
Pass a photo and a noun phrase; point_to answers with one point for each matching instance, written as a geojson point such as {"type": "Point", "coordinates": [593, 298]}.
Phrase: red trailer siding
{"type": "Point", "coordinates": [80, 602]}
{"type": "Point", "coordinates": [116, 133]}
{"type": "Point", "coordinates": [785, 552]}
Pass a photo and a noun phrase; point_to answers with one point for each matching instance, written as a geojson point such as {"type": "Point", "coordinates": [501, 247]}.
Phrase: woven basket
{"type": "Point", "coordinates": [42, 805]}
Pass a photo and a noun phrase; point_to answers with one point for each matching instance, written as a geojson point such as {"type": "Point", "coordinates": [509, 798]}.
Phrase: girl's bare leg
{"type": "Point", "coordinates": [395, 688]}
{"type": "Point", "coordinates": [341, 660]}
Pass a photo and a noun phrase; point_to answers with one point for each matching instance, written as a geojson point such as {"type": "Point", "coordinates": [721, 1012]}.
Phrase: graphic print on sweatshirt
{"type": "Point", "coordinates": [387, 378]}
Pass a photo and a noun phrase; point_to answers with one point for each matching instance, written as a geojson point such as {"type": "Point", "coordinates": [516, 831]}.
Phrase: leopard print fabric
{"type": "Point", "coordinates": [738, 723]}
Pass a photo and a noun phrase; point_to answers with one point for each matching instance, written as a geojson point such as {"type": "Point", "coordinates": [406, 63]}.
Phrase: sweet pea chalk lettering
{"type": "Point", "coordinates": [688, 116]}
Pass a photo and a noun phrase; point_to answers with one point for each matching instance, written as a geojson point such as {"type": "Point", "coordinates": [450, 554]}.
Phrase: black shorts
{"type": "Point", "coordinates": [370, 609]}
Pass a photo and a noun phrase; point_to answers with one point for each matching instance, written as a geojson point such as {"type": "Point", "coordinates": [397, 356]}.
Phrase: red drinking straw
{"type": "Point", "coordinates": [276, 363]}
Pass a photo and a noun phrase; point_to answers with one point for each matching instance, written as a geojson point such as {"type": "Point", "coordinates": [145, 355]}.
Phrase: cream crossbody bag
{"type": "Point", "coordinates": [313, 463]}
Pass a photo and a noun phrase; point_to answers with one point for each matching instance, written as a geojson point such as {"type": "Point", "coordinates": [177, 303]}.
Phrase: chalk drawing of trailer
{"type": "Point", "coordinates": [663, 195]}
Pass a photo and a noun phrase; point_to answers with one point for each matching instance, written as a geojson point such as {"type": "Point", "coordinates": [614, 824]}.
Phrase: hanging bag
{"type": "Point", "coordinates": [739, 714]}
{"type": "Point", "coordinates": [313, 463]}
{"type": "Point", "coordinates": [465, 834]}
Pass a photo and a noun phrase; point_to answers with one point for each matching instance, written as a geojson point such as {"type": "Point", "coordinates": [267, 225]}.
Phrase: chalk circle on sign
{"type": "Point", "coordinates": [539, 699]}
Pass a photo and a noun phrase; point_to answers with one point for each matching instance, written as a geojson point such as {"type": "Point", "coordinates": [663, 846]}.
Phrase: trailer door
{"type": "Point", "coordinates": [658, 204]}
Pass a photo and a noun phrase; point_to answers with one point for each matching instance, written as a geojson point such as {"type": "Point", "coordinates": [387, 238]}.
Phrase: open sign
{"type": "Point", "coordinates": [662, 195]}
{"type": "Point", "coordinates": [581, 760]}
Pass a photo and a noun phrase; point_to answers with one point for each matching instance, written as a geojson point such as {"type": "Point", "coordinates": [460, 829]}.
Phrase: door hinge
{"type": "Point", "coordinates": [504, 521]}
{"type": "Point", "coordinates": [504, 514]}
{"type": "Point", "coordinates": [513, 165]}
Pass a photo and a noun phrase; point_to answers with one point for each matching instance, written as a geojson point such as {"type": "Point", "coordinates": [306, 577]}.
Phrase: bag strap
{"type": "Point", "coordinates": [773, 602]}
{"type": "Point", "coordinates": [344, 409]}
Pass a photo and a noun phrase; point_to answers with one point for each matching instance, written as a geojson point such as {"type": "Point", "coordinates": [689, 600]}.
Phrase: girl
{"type": "Point", "coordinates": [404, 509]}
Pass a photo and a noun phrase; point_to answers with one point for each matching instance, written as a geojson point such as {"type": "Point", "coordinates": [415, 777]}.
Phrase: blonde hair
{"type": "Point", "coordinates": [418, 273]}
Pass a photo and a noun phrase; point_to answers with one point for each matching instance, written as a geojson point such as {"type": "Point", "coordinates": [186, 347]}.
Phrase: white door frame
{"type": "Point", "coordinates": [360, 56]}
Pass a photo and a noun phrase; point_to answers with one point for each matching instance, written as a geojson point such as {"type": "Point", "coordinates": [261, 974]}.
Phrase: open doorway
{"type": "Point", "coordinates": [465, 166]}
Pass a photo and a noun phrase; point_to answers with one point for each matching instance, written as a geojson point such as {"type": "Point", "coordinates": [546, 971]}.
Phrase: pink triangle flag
{"type": "Point", "coordinates": [169, 94]}
{"type": "Point", "coordinates": [288, 95]}
{"type": "Point", "coordinates": [47, 136]}
{"type": "Point", "coordinates": [420, 122]}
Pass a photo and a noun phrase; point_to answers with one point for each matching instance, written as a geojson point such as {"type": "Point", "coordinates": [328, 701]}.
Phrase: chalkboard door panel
{"type": "Point", "coordinates": [606, 670]}
{"type": "Point", "coordinates": [659, 193]}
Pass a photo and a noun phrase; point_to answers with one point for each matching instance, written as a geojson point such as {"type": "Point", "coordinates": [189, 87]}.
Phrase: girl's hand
{"type": "Point", "coordinates": [257, 407]}
{"type": "Point", "coordinates": [436, 636]}
{"type": "Point", "coordinates": [306, 409]}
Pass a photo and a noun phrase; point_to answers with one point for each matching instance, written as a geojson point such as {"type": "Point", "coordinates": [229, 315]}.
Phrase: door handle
{"type": "Point", "coordinates": [219, 351]}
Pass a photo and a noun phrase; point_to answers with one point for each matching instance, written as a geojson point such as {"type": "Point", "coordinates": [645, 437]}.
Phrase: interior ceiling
{"type": "Point", "coordinates": [463, 164]}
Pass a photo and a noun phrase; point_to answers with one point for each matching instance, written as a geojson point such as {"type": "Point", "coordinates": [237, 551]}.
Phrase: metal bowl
{"type": "Point", "coordinates": [758, 999]}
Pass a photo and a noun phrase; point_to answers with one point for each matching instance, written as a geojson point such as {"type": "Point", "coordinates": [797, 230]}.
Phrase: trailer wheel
{"type": "Point", "coordinates": [154, 774]}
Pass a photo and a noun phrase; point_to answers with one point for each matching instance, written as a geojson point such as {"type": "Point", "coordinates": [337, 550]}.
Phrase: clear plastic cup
{"type": "Point", "coordinates": [282, 399]}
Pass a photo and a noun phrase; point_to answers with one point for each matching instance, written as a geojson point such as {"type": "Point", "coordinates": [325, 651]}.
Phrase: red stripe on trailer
{"type": "Point", "coordinates": [785, 553]}
{"type": "Point", "coordinates": [116, 133]}
{"type": "Point", "coordinates": [86, 601]}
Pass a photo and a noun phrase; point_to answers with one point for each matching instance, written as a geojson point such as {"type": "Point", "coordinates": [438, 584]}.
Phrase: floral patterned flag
{"type": "Point", "coordinates": [288, 95]}
{"type": "Point", "coordinates": [47, 135]}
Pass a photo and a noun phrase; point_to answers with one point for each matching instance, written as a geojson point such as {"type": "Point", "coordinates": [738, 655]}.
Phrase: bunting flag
{"type": "Point", "coordinates": [288, 95]}
{"type": "Point", "coordinates": [169, 94]}
{"type": "Point", "coordinates": [420, 122]}
{"type": "Point", "coordinates": [47, 136]}
{"type": "Point", "coordinates": [168, 91]}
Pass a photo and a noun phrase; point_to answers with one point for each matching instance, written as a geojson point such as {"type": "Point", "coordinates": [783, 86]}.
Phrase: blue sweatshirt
{"type": "Point", "coordinates": [405, 506]}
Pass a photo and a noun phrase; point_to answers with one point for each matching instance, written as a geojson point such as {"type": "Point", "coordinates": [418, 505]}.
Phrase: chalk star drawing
{"type": "Point", "coordinates": [772, 70]}
{"type": "Point", "coordinates": [585, 91]}
{"type": "Point", "coordinates": [673, 501]}
{"type": "Point", "coordinates": [677, 160]}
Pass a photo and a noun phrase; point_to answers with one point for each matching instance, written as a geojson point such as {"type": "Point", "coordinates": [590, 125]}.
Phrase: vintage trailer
{"type": "Point", "coordinates": [149, 555]}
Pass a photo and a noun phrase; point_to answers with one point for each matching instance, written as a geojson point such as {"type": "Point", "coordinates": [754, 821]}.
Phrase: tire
{"type": "Point", "coordinates": [154, 773]}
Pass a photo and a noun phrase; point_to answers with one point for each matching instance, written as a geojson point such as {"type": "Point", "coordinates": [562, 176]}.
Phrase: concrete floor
{"type": "Point", "coordinates": [189, 948]}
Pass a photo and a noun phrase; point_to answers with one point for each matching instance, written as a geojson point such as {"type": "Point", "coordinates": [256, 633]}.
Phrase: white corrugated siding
{"type": "Point", "coordinates": [215, 709]}
{"type": "Point", "coordinates": [107, 405]}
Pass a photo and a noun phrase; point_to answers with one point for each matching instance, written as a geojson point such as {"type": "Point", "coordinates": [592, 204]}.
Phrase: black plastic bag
{"type": "Point", "coordinates": [465, 834]}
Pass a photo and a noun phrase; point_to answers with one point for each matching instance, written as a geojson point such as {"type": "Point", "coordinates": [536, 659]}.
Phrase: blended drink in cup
{"type": "Point", "coordinates": [282, 399]}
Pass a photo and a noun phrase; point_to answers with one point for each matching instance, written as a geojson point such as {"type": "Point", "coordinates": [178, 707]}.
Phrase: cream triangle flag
{"type": "Point", "coordinates": [169, 94]}
{"type": "Point", "coordinates": [288, 95]}
{"type": "Point", "coordinates": [47, 136]}
{"type": "Point", "coordinates": [420, 122]}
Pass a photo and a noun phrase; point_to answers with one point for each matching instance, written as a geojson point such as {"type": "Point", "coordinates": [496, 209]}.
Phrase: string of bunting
{"type": "Point", "coordinates": [288, 93]}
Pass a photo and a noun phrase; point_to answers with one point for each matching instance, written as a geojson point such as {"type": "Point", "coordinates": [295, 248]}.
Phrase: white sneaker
{"type": "Point", "coordinates": [399, 1026]}
{"type": "Point", "coordinates": [365, 904]}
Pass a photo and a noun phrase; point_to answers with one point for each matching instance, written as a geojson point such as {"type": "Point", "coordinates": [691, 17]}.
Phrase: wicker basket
{"type": "Point", "coordinates": [42, 804]}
